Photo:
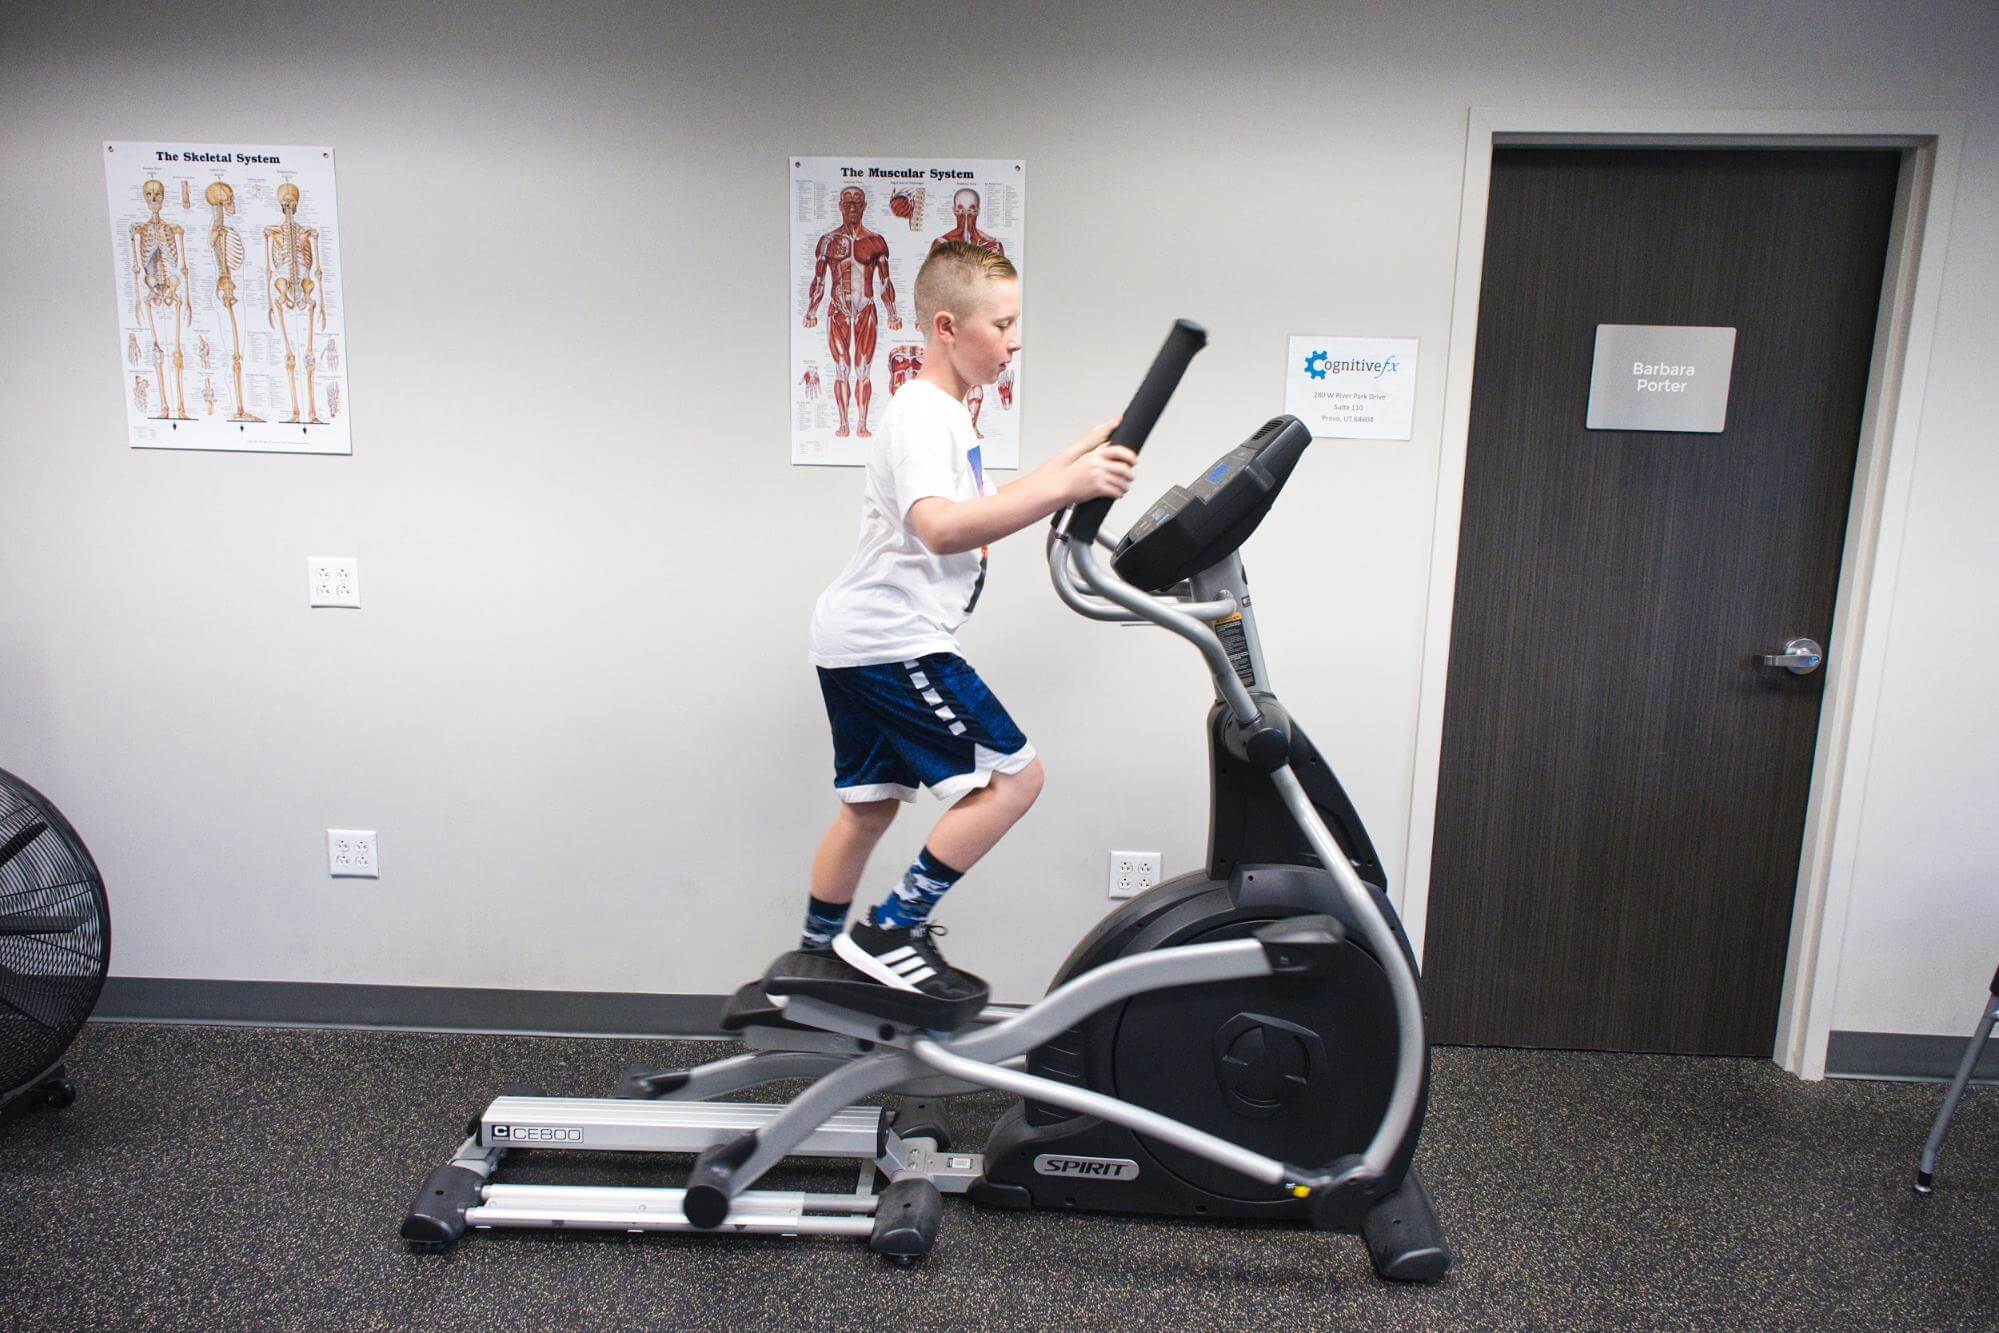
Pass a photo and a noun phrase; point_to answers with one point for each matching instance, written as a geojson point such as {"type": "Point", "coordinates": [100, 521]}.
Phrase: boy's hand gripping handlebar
{"type": "Point", "coordinates": [1185, 339]}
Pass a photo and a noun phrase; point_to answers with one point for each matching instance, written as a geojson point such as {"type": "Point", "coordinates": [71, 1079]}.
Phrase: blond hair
{"type": "Point", "coordinates": [953, 278]}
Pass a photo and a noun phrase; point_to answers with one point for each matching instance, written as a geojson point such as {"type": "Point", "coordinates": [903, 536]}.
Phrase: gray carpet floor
{"type": "Point", "coordinates": [241, 1178]}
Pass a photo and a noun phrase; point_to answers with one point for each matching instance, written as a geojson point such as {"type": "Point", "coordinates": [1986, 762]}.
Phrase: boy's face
{"type": "Point", "coordinates": [985, 340]}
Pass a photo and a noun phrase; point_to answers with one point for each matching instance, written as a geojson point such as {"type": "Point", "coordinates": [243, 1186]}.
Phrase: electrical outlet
{"type": "Point", "coordinates": [333, 580]}
{"type": "Point", "coordinates": [350, 853]}
{"type": "Point", "coordinates": [1133, 873]}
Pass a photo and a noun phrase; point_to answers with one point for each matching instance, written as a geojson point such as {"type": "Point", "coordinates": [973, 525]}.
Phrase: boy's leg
{"type": "Point", "coordinates": [972, 827]}
{"type": "Point", "coordinates": [871, 779]}
{"type": "Point", "coordinates": [838, 864]}
{"type": "Point", "coordinates": [956, 739]}
{"type": "Point", "coordinates": [965, 833]}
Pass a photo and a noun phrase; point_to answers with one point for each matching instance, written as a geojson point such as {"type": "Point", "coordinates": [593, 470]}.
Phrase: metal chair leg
{"type": "Point", "coordinates": [1926, 1172]}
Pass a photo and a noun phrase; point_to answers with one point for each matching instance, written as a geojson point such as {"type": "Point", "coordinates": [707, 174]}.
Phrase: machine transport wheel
{"type": "Point", "coordinates": [906, 1221]}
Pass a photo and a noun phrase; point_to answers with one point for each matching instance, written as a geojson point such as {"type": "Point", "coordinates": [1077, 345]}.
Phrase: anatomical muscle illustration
{"type": "Point", "coordinates": [854, 341]}
{"type": "Point", "coordinates": [848, 261]}
{"type": "Point", "coordinates": [905, 362]}
{"type": "Point", "coordinates": [965, 212]}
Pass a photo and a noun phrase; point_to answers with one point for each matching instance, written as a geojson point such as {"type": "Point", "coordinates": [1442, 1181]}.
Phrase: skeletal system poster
{"type": "Point", "coordinates": [227, 261]}
{"type": "Point", "coordinates": [860, 229]}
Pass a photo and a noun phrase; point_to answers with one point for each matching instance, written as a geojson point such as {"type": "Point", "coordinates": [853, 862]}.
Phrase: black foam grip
{"type": "Point", "coordinates": [1185, 339]}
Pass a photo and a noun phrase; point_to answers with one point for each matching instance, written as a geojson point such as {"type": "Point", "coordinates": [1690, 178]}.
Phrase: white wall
{"type": "Point", "coordinates": [582, 780]}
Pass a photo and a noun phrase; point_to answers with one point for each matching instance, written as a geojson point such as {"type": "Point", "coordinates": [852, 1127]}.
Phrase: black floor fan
{"type": "Point", "coordinates": [55, 946]}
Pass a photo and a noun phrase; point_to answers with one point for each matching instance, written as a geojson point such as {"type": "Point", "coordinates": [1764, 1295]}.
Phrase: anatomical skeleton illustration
{"type": "Point", "coordinates": [330, 358]}
{"type": "Point", "coordinates": [227, 244]}
{"type": "Point", "coordinates": [846, 263]}
{"type": "Point", "coordinates": [333, 400]}
{"type": "Point", "coordinates": [139, 393]}
{"type": "Point", "coordinates": [227, 293]}
{"type": "Point", "coordinates": [159, 278]}
{"type": "Point", "coordinates": [296, 293]}
{"type": "Point", "coordinates": [965, 209]}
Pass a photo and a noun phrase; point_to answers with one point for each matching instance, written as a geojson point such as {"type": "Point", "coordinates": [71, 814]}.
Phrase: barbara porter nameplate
{"type": "Point", "coordinates": [1660, 377]}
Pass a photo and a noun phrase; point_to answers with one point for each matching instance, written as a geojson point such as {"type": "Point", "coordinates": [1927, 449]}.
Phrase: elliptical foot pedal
{"type": "Point", "coordinates": [822, 976]}
{"type": "Point", "coordinates": [750, 1007]}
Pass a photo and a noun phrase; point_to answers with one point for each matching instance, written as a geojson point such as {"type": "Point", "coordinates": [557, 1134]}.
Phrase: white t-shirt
{"type": "Point", "coordinates": [896, 599]}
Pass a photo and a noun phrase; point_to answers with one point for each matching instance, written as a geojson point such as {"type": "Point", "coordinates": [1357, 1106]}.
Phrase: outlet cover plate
{"type": "Point", "coordinates": [333, 580]}
{"type": "Point", "coordinates": [350, 854]}
{"type": "Point", "coordinates": [1132, 873]}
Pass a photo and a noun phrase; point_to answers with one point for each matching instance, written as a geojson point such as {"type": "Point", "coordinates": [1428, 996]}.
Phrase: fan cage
{"type": "Point", "coordinates": [55, 935]}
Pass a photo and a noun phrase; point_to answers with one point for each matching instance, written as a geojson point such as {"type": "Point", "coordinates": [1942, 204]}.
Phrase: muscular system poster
{"type": "Point", "coordinates": [860, 228]}
{"type": "Point", "coordinates": [226, 260]}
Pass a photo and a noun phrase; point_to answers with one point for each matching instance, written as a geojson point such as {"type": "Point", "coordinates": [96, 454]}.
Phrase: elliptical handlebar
{"type": "Point", "coordinates": [1182, 342]}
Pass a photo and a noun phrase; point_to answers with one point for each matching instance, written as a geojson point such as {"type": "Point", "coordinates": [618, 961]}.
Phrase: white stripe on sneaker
{"type": "Point", "coordinates": [866, 963]}
{"type": "Point", "coordinates": [897, 955]}
{"type": "Point", "coordinates": [922, 976]}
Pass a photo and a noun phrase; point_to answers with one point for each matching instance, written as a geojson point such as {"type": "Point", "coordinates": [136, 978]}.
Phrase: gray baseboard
{"type": "Point", "coordinates": [415, 1008]}
{"type": "Point", "coordinates": [1904, 1055]}
{"type": "Point", "coordinates": [1894, 1055]}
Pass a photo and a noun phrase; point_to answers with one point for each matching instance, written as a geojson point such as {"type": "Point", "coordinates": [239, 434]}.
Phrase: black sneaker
{"type": "Point", "coordinates": [906, 959]}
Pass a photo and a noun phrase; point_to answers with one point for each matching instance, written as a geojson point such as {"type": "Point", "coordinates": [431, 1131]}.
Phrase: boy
{"type": "Point", "coordinates": [905, 708]}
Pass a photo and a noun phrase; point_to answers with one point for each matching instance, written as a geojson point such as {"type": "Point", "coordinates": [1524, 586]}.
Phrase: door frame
{"type": "Point", "coordinates": [1876, 523]}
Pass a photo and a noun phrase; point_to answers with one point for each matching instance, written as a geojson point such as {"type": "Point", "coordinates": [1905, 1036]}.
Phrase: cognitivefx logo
{"type": "Point", "coordinates": [1320, 363]}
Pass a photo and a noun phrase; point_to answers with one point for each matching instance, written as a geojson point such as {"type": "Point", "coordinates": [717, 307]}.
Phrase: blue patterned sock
{"type": "Point", "coordinates": [823, 920]}
{"type": "Point", "coordinates": [916, 893]}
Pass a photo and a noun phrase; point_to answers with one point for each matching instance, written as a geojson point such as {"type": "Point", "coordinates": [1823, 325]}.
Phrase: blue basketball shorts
{"type": "Point", "coordinates": [928, 722]}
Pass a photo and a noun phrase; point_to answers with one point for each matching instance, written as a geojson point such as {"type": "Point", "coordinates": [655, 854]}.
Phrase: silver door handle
{"type": "Point", "coordinates": [1800, 657]}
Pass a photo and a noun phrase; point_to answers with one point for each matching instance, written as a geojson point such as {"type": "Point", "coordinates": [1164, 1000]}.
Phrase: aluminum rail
{"type": "Point", "coordinates": [1409, 1045]}
{"type": "Point", "coordinates": [1172, 616]}
{"type": "Point", "coordinates": [1149, 1123]}
{"type": "Point", "coordinates": [1105, 985]}
{"type": "Point", "coordinates": [1096, 608]}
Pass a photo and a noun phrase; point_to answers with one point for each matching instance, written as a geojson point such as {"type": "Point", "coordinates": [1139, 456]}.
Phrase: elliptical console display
{"type": "Point", "coordinates": [1195, 526]}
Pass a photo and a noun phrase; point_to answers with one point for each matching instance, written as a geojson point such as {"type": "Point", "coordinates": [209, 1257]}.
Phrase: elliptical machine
{"type": "Point", "coordinates": [1242, 1042]}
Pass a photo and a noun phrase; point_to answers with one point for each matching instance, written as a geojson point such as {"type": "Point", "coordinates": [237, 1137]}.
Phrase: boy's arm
{"type": "Point", "coordinates": [1086, 469]}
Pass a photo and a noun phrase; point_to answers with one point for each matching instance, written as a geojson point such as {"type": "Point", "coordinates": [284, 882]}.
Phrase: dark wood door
{"type": "Point", "coordinates": [1623, 786]}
